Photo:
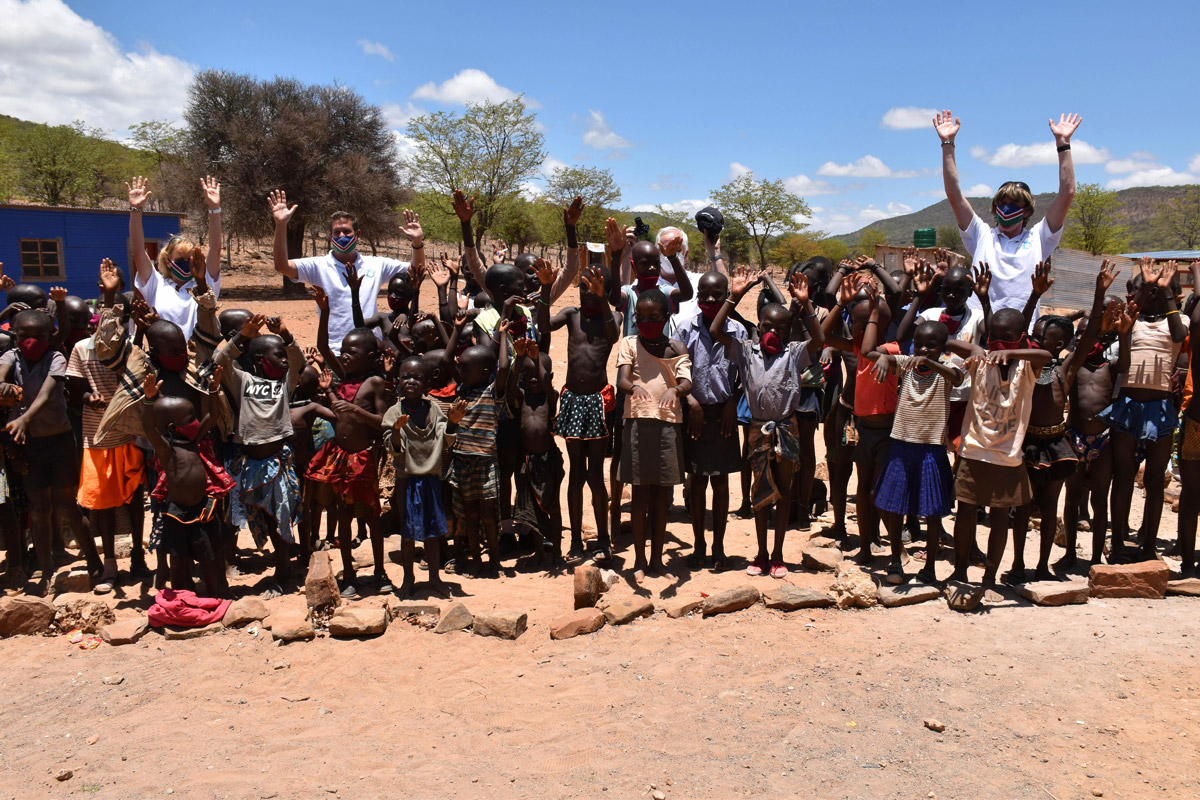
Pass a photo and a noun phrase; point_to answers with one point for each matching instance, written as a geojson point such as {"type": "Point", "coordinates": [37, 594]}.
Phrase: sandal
{"type": "Point", "coordinates": [757, 567]}
{"type": "Point", "coordinates": [895, 575]}
{"type": "Point", "coordinates": [778, 570]}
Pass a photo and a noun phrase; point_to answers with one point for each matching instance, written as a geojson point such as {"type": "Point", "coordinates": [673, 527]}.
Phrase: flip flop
{"type": "Point", "coordinates": [895, 575]}
{"type": "Point", "coordinates": [755, 568]}
{"type": "Point", "coordinates": [778, 570]}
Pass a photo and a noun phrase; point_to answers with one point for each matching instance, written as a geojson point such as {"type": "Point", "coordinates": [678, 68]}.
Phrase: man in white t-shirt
{"type": "Point", "coordinates": [1013, 247]}
{"type": "Point", "coordinates": [329, 271]}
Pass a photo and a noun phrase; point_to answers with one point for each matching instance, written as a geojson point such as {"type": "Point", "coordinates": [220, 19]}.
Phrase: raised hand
{"type": "Point", "coordinates": [982, 275]}
{"type": "Point", "coordinates": [150, 385]}
{"type": "Point", "coordinates": [462, 303]}
{"type": "Point", "coordinates": [911, 260]}
{"type": "Point", "coordinates": [798, 287]}
{"type": "Point", "coordinates": [614, 234]}
{"type": "Point", "coordinates": [457, 410]}
{"type": "Point", "coordinates": [214, 381]}
{"type": "Point", "coordinates": [411, 229]}
{"type": "Point", "coordinates": [277, 202]}
{"type": "Point", "coordinates": [252, 326]}
{"type": "Point", "coordinates": [438, 273]}
{"type": "Point", "coordinates": [460, 316]}
{"type": "Point", "coordinates": [400, 422]}
{"type": "Point", "coordinates": [451, 263]}
{"type": "Point", "coordinates": [672, 245]}
{"type": "Point", "coordinates": [573, 212]}
{"type": "Point", "coordinates": [1041, 277]}
{"type": "Point", "coordinates": [946, 125]}
{"type": "Point", "coordinates": [864, 262]}
{"type": "Point", "coordinates": [847, 291]}
{"type": "Point", "coordinates": [531, 349]}
{"type": "Point", "coordinates": [1126, 319]}
{"type": "Point", "coordinates": [196, 264]}
{"type": "Point", "coordinates": [546, 272]}
{"type": "Point", "coordinates": [212, 192]}
{"type": "Point", "coordinates": [318, 295]}
{"type": "Point", "coordinates": [1107, 274]}
{"type": "Point", "coordinates": [387, 360]}
{"type": "Point", "coordinates": [313, 356]}
{"type": "Point", "coordinates": [1166, 275]}
{"type": "Point", "coordinates": [58, 293]}
{"type": "Point", "coordinates": [866, 284]}
{"type": "Point", "coordinates": [416, 275]}
{"type": "Point", "coordinates": [463, 208]}
{"type": "Point", "coordinates": [1065, 128]}
{"type": "Point", "coordinates": [591, 279]}
{"type": "Point", "coordinates": [499, 252]}
{"type": "Point", "coordinates": [1112, 313]}
{"type": "Point", "coordinates": [743, 280]}
{"type": "Point", "coordinates": [325, 380]}
{"type": "Point", "coordinates": [6, 281]}
{"type": "Point", "coordinates": [277, 326]}
{"type": "Point", "coordinates": [518, 346]}
{"type": "Point", "coordinates": [110, 278]}
{"type": "Point", "coordinates": [138, 193]}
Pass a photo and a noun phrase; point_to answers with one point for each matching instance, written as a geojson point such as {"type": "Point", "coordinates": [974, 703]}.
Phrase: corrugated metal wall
{"type": "Point", "coordinates": [1074, 273]}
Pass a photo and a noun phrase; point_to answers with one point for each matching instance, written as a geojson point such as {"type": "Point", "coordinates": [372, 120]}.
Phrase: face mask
{"type": "Point", "coordinates": [180, 269]}
{"type": "Point", "coordinates": [271, 370]}
{"type": "Point", "coordinates": [709, 310]}
{"type": "Point", "coordinates": [397, 304]}
{"type": "Point", "coordinates": [1019, 344]}
{"type": "Point", "coordinates": [1008, 214]}
{"type": "Point", "coordinates": [950, 322]}
{"type": "Point", "coordinates": [188, 431]}
{"type": "Point", "coordinates": [344, 244]}
{"type": "Point", "coordinates": [518, 326]}
{"type": "Point", "coordinates": [32, 349]}
{"type": "Point", "coordinates": [647, 283]}
{"type": "Point", "coordinates": [651, 330]}
{"type": "Point", "coordinates": [770, 343]}
{"type": "Point", "coordinates": [173, 363]}
{"type": "Point", "coordinates": [1096, 353]}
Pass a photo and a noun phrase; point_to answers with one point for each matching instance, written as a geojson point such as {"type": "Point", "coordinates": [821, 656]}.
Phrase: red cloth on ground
{"type": "Point", "coordinates": [181, 607]}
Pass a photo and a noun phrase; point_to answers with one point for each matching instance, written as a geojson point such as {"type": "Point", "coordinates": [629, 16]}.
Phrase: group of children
{"type": "Point", "coordinates": [443, 426]}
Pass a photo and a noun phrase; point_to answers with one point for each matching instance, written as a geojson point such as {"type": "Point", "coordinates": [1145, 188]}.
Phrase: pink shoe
{"type": "Point", "coordinates": [778, 570]}
{"type": "Point", "coordinates": [756, 568]}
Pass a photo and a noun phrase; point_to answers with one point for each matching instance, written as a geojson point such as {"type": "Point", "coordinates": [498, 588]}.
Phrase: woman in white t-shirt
{"type": "Point", "coordinates": [166, 284]}
{"type": "Point", "coordinates": [1013, 247]}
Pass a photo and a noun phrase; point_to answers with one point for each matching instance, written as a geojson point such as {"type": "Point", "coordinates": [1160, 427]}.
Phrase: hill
{"type": "Point", "coordinates": [1138, 207]}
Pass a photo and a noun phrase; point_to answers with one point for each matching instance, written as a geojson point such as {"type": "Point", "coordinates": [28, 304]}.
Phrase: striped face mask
{"type": "Point", "coordinates": [344, 244]}
{"type": "Point", "coordinates": [1008, 214]}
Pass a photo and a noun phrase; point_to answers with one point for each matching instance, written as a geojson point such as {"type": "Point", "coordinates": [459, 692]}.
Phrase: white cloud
{"type": "Point", "coordinates": [1120, 166]}
{"type": "Point", "coordinates": [907, 118]}
{"type": "Point", "coordinates": [847, 217]}
{"type": "Point", "coordinates": [550, 165]}
{"type": "Point", "coordinates": [868, 166]}
{"type": "Point", "coordinates": [376, 49]}
{"type": "Point", "coordinates": [1142, 155]}
{"type": "Point", "coordinates": [468, 86]}
{"type": "Point", "coordinates": [59, 67]}
{"type": "Point", "coordinates": [686, 206]}
{"type": "Point", "coordinates": [1156, 176]}
{"type": "Point", "coordinates": [805, 186]}
{"type": "Point", "coordinates": [737, 170]}
{"type": "Point", "coordinates": [404, 145]}
{"type": "Point", "coordinates": [600, 136]}
{"type": "Point", "coordinates": [1018, 156]}
{"type": "Point", "coordinates": [978, 190]}
{"type": "Point", "coordinates": [398, 115]}
{"type": "Point", "coordinates": [1194, 164]}
{"type": "Point", "coordinates": [531, 190]}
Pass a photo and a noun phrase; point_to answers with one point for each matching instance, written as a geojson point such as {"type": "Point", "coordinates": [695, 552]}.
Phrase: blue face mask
{"type": "Point", "coordinates": [1008, 214]}
{"type": "Point", "coordinates": [345, 244]}
{"type": "Point", "coordinates": [181, 269]}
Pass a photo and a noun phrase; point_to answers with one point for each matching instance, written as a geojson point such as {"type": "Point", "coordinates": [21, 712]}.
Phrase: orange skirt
{"type": "Point", "coordinates": [109, 477]}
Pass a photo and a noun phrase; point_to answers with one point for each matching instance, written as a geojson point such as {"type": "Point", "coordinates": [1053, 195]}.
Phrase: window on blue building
{"type": "Point", "coordinates": [41, 259]}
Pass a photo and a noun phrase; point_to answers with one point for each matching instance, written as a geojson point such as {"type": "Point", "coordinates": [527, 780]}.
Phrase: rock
{"type": "Point", "coordinates": [610, 578]}
{"type": "Point", "coordinates": [681, 608]}
{"type": "Point", "coordinates": [88, 616]}
{"type": "Point", "coordinates": [730, 600]}
{"type": "Point", "coordinates": [1185, 586]}
{"type": "Point", "coordinates": [1055, 593]}
{"type": "Point", "coordinates": [75, 581]}
{"type": "Point", "coordinates": [456, 618]}
{"type": "Point", "coordinates": [658, 794]}
{"type": "Point", "coordinates": [25, 615]}
{"type": "Point", "coordinates": [582, 621]}
{"type": "Point", "coordinates": [907, 594]}
{"type": "Point", "coordinates": [358, 620]}
{"type": "Point", "coordinates": [934, 725]}
{"type": "Point", "coordinates": [64, 775]}
{"type": "Point", "coordinates": [1147, 579]}
{"type": "Point", "coordinates": [786, 597]}
{"type": "Point", "coordinates": [290, 626]}
{"type": "Point", "coordinates": [113, 680]}
{"type": "Point", "coordinates": [414, 609]}
{"type": "Point", "coordinates": [320, 586]}
{"type": "Point", "coordinates": [854, 588]}
{"type": "Point", "coordinates": [127, 631]}
{"type": "Point", "coordinates": [821, 559]}
{"type": "Point", "coordinates": [123, 547]}
{"type": "Point", "coordinates": [822, 541]}
{"type": "Point", "coordinates": [178, 632]}
{"type": "Point", "coordinates": [627, 609]}
{"type": "Point", "coordinates": [247, 609]}
{"type": "Point", "coordinates": [1060, 533]}
{"type": "Point", "coordinates": [589, 585]}
{"type": "Point", "coordinates": [507, 625]}
{"type": "Point", "coordinates": [961, 596]}
{"type": "Point", "coordinates": [822, 471]}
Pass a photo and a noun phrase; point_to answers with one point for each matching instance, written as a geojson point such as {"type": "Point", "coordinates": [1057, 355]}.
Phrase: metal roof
{"type": "Point", "coordinates": [125, 210]}
{"type": "Point", "coordinates": [1168, 255]}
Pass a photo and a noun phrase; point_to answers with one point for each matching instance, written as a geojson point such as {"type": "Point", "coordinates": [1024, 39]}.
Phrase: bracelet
{"type": "Point", "coordinates": [543, 302]}
{"type": "Point", "coordinates": [133, 209]}
{"type": "Point", "coordinates": [216, 210]}
{"type": "Point", "coordinates": [148, 401]}
{"type": "Point", "coordinates": [810, 316]}
{"type": "Point", "coordinates": [1169, 313]}
{"type": "Point", "coordinates": [1064, 148]}
{"type": "Point", "coordinates": [731, 301]}
{"type": "Point", "coordinates": [871, 322]}
{"type": "Point", "coordinates": [418, 246]}
{"type": "Point", "coordinates": [718, 257]}
{"type": "Point", "coordinates": [947, 142]}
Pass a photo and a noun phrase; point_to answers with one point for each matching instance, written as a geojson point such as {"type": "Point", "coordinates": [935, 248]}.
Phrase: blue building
{"type": "Point", "coordinates": [63, 246]}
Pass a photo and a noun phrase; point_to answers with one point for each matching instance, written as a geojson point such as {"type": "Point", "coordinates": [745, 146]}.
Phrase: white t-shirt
{"type": "Point", "coordinates": [330, 274]}
{"type": "Point", "coordinates": [968, 331]}
{"type": "Point", "coordinates": [173, 304]}
{"type": "Point", "coordinates": [1011, 260]}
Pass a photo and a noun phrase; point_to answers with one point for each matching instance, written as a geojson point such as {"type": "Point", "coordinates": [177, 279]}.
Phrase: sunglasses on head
{"type": "Point", "coordinates": [1018, 184]}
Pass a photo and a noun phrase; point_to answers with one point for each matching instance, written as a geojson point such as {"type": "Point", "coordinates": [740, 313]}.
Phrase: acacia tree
{"type": "Point", "coordinates": [764, 207]}
{"type": "Point", "coordinates": [1177, 222]}
{"type": "Point", "coordinates": [1092, 224]}
{"type": "Point", "coordinates": [324, 145]}
{"type": "Point", "coordinates": [487, 152]}
{"type": "Point", "coordinates": [598, 189]}
{"type": "Point", "coordinates": [60, 164]}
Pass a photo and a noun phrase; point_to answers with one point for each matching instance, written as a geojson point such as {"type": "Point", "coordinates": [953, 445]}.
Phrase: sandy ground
{"type": "Point", "coordinates": [1037, 702]}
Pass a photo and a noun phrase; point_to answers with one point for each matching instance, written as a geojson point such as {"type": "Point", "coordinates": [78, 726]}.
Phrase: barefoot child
{"type": "Point", "coordinates": [588, 398]}
{"type": "Point", "coordinates": [770, 372]}
{"type": "Point", "coordinates": [916, 479]}
{"type": "Point", "coordinates": [417, 434]}
{"type": "Point", "coordinates": [991, 466]}
{"type": "Point", "coordinates": [1189, 454]}
{"type": "Point", "coordinates": [347, 464]}
{"type": "Point", "coordinates": [655, 372]}
{"type": "Point", "coordinates": [304, 411]}
{"type": "Point", "coordinates": [539, 477]}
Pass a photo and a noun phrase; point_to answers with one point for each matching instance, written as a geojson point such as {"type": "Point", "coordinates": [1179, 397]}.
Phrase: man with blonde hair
{"type": "Point", "coordinates": [1013, 247]}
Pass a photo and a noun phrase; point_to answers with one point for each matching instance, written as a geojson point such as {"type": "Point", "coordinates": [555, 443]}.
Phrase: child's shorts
{"type": "Point", "coordinates": [583, 416]}
{"type": "Point", "coordinates": [269, 491]}
{"type": "Point", "coordinates": [53, 462]}
{"type": "Point", "coordinates": [352, 476]}
{"type": "Point", "coordinates": [109, 477]}
{"type": "Point", "coordinates": [424, 514]}
{"type": "Point", "coordinates": [1189, 440]}
{"type": "Point", "coordinates": [474, 478]}
{"type": "Point", "coordinates": [538, 482]}
{"type": "Point", "coordinates": [192, 533]}
{"type": "Point", "coordinates": [916, 480]}
{"type": "Point", "coordinates": [1049, 455]}
{"type": "Point", "coordinates": [1146, 421]}
{"type": "Point", "coordinates": [992, 485]}
{"type": "Point", "coordinates": [873, 442]}
{"type": "Point", "coordinates": [713, 453]}
{"type": "Point", "coordinates": [651, 453]}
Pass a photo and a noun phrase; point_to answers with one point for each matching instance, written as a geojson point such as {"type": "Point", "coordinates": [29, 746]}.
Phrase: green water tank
{"type": "Point", "coordinates": [925, 237]}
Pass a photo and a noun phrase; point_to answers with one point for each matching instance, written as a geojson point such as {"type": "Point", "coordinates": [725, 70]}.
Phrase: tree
{"type": "Point", "coordinates": [833, 249]}
{"type": "Point", "coordinates": [1092, 223]}
{"type": "Point", "coordinates": [1177, 222]}
{"type": "Point", "coordinates": [324, 145]}
{"type": "Point", "coordinates": [950, 237]}
{"type": "Point", "coordinates": [59, 164]}
{"type": "Point", "coordinates": [488, 153]}
{"type": "Point", "coordinates": [868, 239]}
{"type": "Point", "coordinates": [791, 248]}
{"type": "Point", "coordinates": [763, 207]}
{"type": "Point", "coordinates": [526, 223]}
{"type": "Point", "coordinates": [597, 188]}
{"type": "Point", "coordinates": [163, 140]}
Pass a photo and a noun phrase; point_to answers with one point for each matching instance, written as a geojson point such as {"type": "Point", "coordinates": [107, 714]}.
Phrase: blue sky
{"type": "Point", "coordinates": [675, 98]}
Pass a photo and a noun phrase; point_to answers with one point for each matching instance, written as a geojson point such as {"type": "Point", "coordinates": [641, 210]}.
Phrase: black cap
{"type": "Point", "coordinates": [710, 220]}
